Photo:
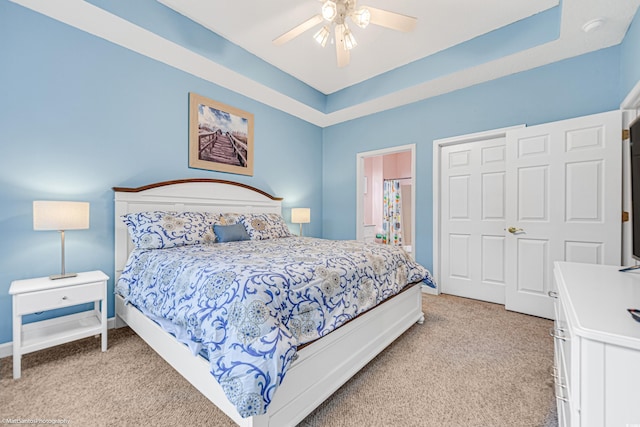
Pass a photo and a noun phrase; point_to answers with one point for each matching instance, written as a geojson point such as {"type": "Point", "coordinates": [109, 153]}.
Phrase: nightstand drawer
{"type": "Point", "coordinates": [58, 298]}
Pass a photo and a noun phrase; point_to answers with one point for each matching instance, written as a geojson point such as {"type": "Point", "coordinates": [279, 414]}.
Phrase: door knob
{"type": "Point", "coordinates": [514, 230]}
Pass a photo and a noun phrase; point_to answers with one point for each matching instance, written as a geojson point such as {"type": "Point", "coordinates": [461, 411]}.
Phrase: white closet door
{"type": "Point", "coordinates": [563, 192]}
{"type": "Point", "coordinates": [472, 219]}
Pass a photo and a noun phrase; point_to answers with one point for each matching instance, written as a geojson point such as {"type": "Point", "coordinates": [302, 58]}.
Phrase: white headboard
{"type": "Point", "coordinates": [185, 195]}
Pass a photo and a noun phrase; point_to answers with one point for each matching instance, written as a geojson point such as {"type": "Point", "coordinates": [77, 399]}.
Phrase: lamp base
{"type": "Point", "coordinates": [62, 276]}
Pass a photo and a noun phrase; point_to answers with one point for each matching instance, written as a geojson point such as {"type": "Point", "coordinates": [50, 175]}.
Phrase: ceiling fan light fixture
{"type": "Point", "coordinates": [333, 18]}
{"type": "Point", "coordinates": [349, 40]}
{"type": "Point", "coordinates": [361, 17]}
{"type": "Point", "coordinates": [329, 10]}
{"type": "Point", "coordinates": [322, 36]}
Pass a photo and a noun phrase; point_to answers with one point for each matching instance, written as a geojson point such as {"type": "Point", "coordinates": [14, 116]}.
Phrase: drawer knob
{"type": "Point", "coordinates": [552, 294]}
{"type": "Point", "coordinates": [64, 298]}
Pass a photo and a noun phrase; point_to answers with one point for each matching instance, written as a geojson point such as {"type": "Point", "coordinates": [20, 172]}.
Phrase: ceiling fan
{"type": "Point", "coordinates": [334, 13]}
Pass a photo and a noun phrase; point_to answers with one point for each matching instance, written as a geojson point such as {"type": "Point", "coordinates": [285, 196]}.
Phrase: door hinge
{"type": "Point", "coordinates": [625, 216]}
{"type": "Point", "coordinates": [625, 134]}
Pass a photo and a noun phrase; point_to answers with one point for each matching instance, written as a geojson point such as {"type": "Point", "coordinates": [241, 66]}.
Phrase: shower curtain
{"type": "Point", "coordinates": [391, 213]}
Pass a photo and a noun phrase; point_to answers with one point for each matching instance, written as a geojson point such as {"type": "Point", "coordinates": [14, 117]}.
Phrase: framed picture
{"type": "Point", "coordinates": [220, 137]}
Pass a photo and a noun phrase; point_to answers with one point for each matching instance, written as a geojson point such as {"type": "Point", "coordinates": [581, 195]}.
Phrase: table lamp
{"type": "Point", "coordinates": [60, 216]}
{"type": "Point", "coordinates": [300, 216]}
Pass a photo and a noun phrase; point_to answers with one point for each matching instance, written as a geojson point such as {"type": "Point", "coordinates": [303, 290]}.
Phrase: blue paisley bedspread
{"type": "Point", "coordinates": [249, 304]}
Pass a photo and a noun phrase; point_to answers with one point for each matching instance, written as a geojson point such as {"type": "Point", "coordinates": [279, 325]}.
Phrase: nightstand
{"type": "Point", "coordinates": [42, 294]}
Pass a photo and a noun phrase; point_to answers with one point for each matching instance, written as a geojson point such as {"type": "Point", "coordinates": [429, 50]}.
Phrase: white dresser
{"type": "Point", "coordinates": [597, 345]}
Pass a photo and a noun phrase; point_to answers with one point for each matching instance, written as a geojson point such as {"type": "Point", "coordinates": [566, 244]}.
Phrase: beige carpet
{"type": "Point", "coordinates": [471, 364]}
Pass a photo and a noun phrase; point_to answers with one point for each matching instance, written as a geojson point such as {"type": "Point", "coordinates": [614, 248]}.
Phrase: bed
{"type": "Point", "coordinates": [307, 368]}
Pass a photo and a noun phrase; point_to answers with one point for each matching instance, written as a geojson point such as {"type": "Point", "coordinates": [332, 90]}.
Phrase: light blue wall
{"type": "Point", "coordinates": [630, 57]}
{"type": "Point", "coordinates": [79, 115]}
{"type": "Point", "coordinates": [574, 87]}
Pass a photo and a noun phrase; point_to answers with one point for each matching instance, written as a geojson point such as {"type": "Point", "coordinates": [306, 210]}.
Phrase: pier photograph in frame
{"type": "Point", "coordinates": [220, 136]}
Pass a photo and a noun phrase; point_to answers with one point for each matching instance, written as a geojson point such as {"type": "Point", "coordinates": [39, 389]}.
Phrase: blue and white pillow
{"type": "Point", "coordinates": [163, 229]}
{"type": "Point", "coordinates": [265, 226]}
{"type": "Point", "coordinates": [230, 218]}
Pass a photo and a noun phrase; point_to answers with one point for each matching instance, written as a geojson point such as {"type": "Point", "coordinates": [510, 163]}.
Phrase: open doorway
{"type": "Point", "coordinates": [385, 209]}
{"type": "Point", "coordinates": [630, 108]}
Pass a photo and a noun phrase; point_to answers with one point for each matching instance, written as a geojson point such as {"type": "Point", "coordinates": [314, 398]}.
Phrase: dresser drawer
{"type": "Point", "coordinates": [57, 298]}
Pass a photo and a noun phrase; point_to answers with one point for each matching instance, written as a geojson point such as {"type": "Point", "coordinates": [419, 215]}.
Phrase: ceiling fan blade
{"type": "Point", "coordinates": [342, 53]}
{"type": "Point", "coordinates": [296, 31]}
{"type": "Point", "coordinates": [392, 20]}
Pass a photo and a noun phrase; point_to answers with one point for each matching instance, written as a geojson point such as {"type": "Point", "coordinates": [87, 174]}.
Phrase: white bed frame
{"type": "Point", "coordinates": [321, 367]}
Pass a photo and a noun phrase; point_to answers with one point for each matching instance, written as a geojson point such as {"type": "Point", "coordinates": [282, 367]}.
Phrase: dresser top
{"type": "Point", "coordinates": [43, 283]}
{"type": "Point", "coordinates": [597, 297]}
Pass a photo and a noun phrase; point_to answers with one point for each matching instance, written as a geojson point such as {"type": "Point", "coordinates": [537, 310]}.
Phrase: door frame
{"type": "Point", "coordinates": [630, 108]}
{"type": "Point", "coordinates": [360, 188]}
{"type": "Point", "coordinates": [438, 144]}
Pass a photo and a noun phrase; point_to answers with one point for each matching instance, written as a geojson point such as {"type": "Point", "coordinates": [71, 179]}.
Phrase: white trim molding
{"type": "Point", "coordinates": [632, 100]}
{"type": "Point", "coordinates": [630, 107]}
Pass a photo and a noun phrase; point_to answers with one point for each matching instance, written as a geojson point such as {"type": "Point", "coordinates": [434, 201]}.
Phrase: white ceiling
{"type": "Point", "coordinates": [253, 25]}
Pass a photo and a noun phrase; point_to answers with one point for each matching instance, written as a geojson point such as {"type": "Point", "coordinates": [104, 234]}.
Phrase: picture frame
{"type": "Point", "coordinates": [220, 136]}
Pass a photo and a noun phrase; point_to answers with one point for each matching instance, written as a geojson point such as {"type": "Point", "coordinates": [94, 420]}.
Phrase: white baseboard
{"type": "Point", "coordinates": [6, 349]}
{"type": "Point", "coordinates": [429, 290]}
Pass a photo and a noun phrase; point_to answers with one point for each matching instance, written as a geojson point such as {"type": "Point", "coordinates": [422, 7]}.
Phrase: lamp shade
{"type": "Point", "coordinates": [349, 40]}
{"type": "Point", "coordinates": [362, 17]}
{"type": "Point", "coordinates": [56, 215]}
{"type": "Point", "coordinates": [322, 36]}
{"type": "Point", "coordinates": [300, 215]}
{"type": "Point", "coordinates": [329, 10]}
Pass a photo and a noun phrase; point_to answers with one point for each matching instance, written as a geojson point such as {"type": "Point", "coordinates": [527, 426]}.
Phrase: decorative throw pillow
{"type": "Point", "coordinates": [162, 229]}
{"type": "Point", "coordinates": [230, 218]}
{"type": "Point", "coordinates": [265, 226]}
{"type": "Point", "coordinates": [230, 233]}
